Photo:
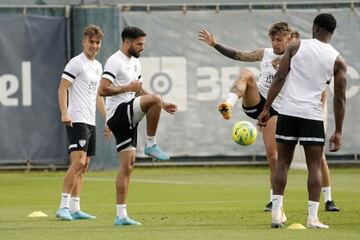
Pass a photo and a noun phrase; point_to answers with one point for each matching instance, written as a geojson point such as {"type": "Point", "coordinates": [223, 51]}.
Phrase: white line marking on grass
{"type": "Point", "coordinates": [192, 202]}
{"type": "Point", "coordinates": [160, 181]}
{"type": "Point", "coordinates": [139, 180]}
{"type": "Point", "coordinates": [108, 179]}
{"type": "Point", "coordinates": [214, 202]}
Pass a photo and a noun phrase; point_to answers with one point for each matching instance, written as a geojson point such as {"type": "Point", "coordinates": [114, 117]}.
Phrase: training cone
{"type": "Point", "coordinates": [37, 214]}
{"type": "Point", "coordinates": [296, 226]}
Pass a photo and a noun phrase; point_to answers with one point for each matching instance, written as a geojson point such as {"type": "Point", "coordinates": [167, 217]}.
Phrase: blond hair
{"type": "Point", "coordinates": [280, 27]}
{"type": "Point", "coordinates": [92, 30]}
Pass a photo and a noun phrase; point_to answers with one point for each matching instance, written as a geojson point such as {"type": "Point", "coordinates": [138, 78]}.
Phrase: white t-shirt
{"type": "Point", "coordinates": [121, 71]}
{"type": "Point", "coordinates": [267, 72]}
{"type": "Point", "coordinates": [85, 75]}
{"type": "Point", "coordinates": [311, 70]}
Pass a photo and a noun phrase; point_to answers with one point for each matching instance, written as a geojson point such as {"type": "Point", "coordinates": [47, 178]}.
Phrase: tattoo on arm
{"type": "Point", "coordinates": [230, 53]}
{"type": "Point", "coordinates": [240, 56]}
{"type": "Point", "coordinates": [253, 56]}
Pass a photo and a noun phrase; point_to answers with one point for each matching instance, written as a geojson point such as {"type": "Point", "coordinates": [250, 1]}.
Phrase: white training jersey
{"type": "Point", "coordinates": [311, 70]}
{"type": "Point", "coordinates": [121, 71]}
{"type": "Point", "coordinates": [85, 76]}
{"type": "Point", "coordinates": [267, 72]}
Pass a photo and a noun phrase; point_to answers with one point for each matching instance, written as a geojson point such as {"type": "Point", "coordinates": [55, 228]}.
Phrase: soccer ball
{"type": "Point", "coordinates": [244, 133]}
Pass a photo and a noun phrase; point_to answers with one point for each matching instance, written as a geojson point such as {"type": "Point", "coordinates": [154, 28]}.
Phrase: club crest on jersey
{"type": "Point", "coordinates": [82, 142]}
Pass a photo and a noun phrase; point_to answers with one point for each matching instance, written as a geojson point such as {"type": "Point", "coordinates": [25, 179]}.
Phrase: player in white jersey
{"type": "Point", "coordinates": [325, 172]}
{"type": "Point", "coordinates": [126, 104]}
{"type": "Point", "coordinates": [252, 92]}
{"type": "Point", "coordinates": [305, 70]}
{"type": "Point", "coordinates": [78, 87]}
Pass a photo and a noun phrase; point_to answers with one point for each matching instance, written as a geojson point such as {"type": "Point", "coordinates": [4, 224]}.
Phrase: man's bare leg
{"type": "Point", "coordinates": [151, 105]}
{"type": "Point", "coordinates": [76, 213]}
{"type": "Point", "coordinates": [313, 154]}
{"type": "Point", "coordinates": [326, 189]}
{"type": "Point", "coordinates": [127, 160]}
{"type": "Point", "coordinates": [77, 163]}
{"type": "Point", "coordinates": [268, 134]}
{"type": "Point", "coordinates": [243, 87]}
{"type": "Point", "coordinates": [279, 180]}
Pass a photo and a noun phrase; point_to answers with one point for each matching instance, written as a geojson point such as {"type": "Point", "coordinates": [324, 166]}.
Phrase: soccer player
{"type": "Point", "coordinates": [126, 104]}
{"type": "Point", "coordinates": [325, 172]}
{"type": "Point", "coordinates": [78, 99]}
{"type": "Point", "coordinates": [305, 70]}
{"type": "Point", "coordinates": [252, 92]}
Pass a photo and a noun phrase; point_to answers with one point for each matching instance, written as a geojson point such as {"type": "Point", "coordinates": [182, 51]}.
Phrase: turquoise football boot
{"type": "Point", "coordinates": [63, 214]}
{"type": "Point", "coordinates": [80, 215]}
{"type": "Point", "coordinates": [155, 153]}
{"type": "Point", "coordinates": [125, 222]}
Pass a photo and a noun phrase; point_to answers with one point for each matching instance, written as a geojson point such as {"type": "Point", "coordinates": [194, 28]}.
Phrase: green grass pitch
{"type": "Point", "coordinates": [176, 203]}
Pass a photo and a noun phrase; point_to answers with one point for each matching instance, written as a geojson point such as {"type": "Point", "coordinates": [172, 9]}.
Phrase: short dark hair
{"type": "Point", "coordinates": [132, 33]}
{"type": "Point", "coordinates": [326, 21]}
{"type": "Point", "coordinates": [93, 30]}
{"type": "Point", "coordinates": [280, 27]}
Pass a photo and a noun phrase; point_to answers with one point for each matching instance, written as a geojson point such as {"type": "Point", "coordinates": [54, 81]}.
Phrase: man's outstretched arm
{"type": "Point", "coordinates": [209, 39]}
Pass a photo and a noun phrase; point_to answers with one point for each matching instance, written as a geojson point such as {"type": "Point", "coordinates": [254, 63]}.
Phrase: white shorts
{"type": "Point", "coordinates": [137, 117]}
{"type": "Point", "coordinates": [137, 113]}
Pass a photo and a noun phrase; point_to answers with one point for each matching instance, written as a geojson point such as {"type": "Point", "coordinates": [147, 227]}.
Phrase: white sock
{"type": "Point", "coordinates": [74, 204]}
{"type": "Point", "coordinates": [313, 210]}
{"type": "Point", "coordinates": [326, 193]}
{"type": "Point", "coordinates": [150, 140]}
{"type": "Point", "coordinates": [232, 99]}
{"type": "Point", "coordinates": [121, 211]}
{"type": "Point", "coordinates": [271, 195]}
{"type": "Point", "coordinates": [277, 202]}
{"type": "Point", "coordinates": [65, 200]}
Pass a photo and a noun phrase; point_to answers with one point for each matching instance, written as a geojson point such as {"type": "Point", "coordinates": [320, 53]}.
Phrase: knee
{"type": "Point", "coordinates": [84, 168]}
{"type": "Point", "coordinates": [79, 161]}
{"type": "Point", "coordinates": [127, 168]}
{"type": "Point", "coordinates": [79, 167]}
{"type": "Point", "coordinates": [248, 75]}
{"type": "Point", "coordinates": [272, 159]}
{"type": "Point", "coordinates": [156, 99]}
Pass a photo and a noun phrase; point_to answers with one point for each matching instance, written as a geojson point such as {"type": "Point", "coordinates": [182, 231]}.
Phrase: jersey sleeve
{"type": "Point", "coordinates": [71, 70]}
{"type": "Point", "coordinates": [111, 69]}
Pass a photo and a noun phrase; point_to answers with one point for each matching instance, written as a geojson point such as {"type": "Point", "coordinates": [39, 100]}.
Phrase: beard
{"type": "Point", "coordinates": [133, 53]}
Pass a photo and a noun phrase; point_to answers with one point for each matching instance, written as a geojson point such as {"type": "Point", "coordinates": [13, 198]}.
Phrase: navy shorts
{"type": "Point", "coordinates": [291, 130]}
{"type": "Point", "coordinates": [255, 111]}
{"type": "Point", "coordinates": [82, 137]}
{"type": "Point", "coordinates": [121, 125]}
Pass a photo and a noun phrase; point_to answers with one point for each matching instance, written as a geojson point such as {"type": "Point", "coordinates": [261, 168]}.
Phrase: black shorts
{"type": "Point", "coordinates": [255, 111]}
{"type": "Point", "coordinates": [122, 127]}
{"type": "Point", "coordinates": [82, 137]}
{"type": "Point", "coordinates": [291, 129]}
